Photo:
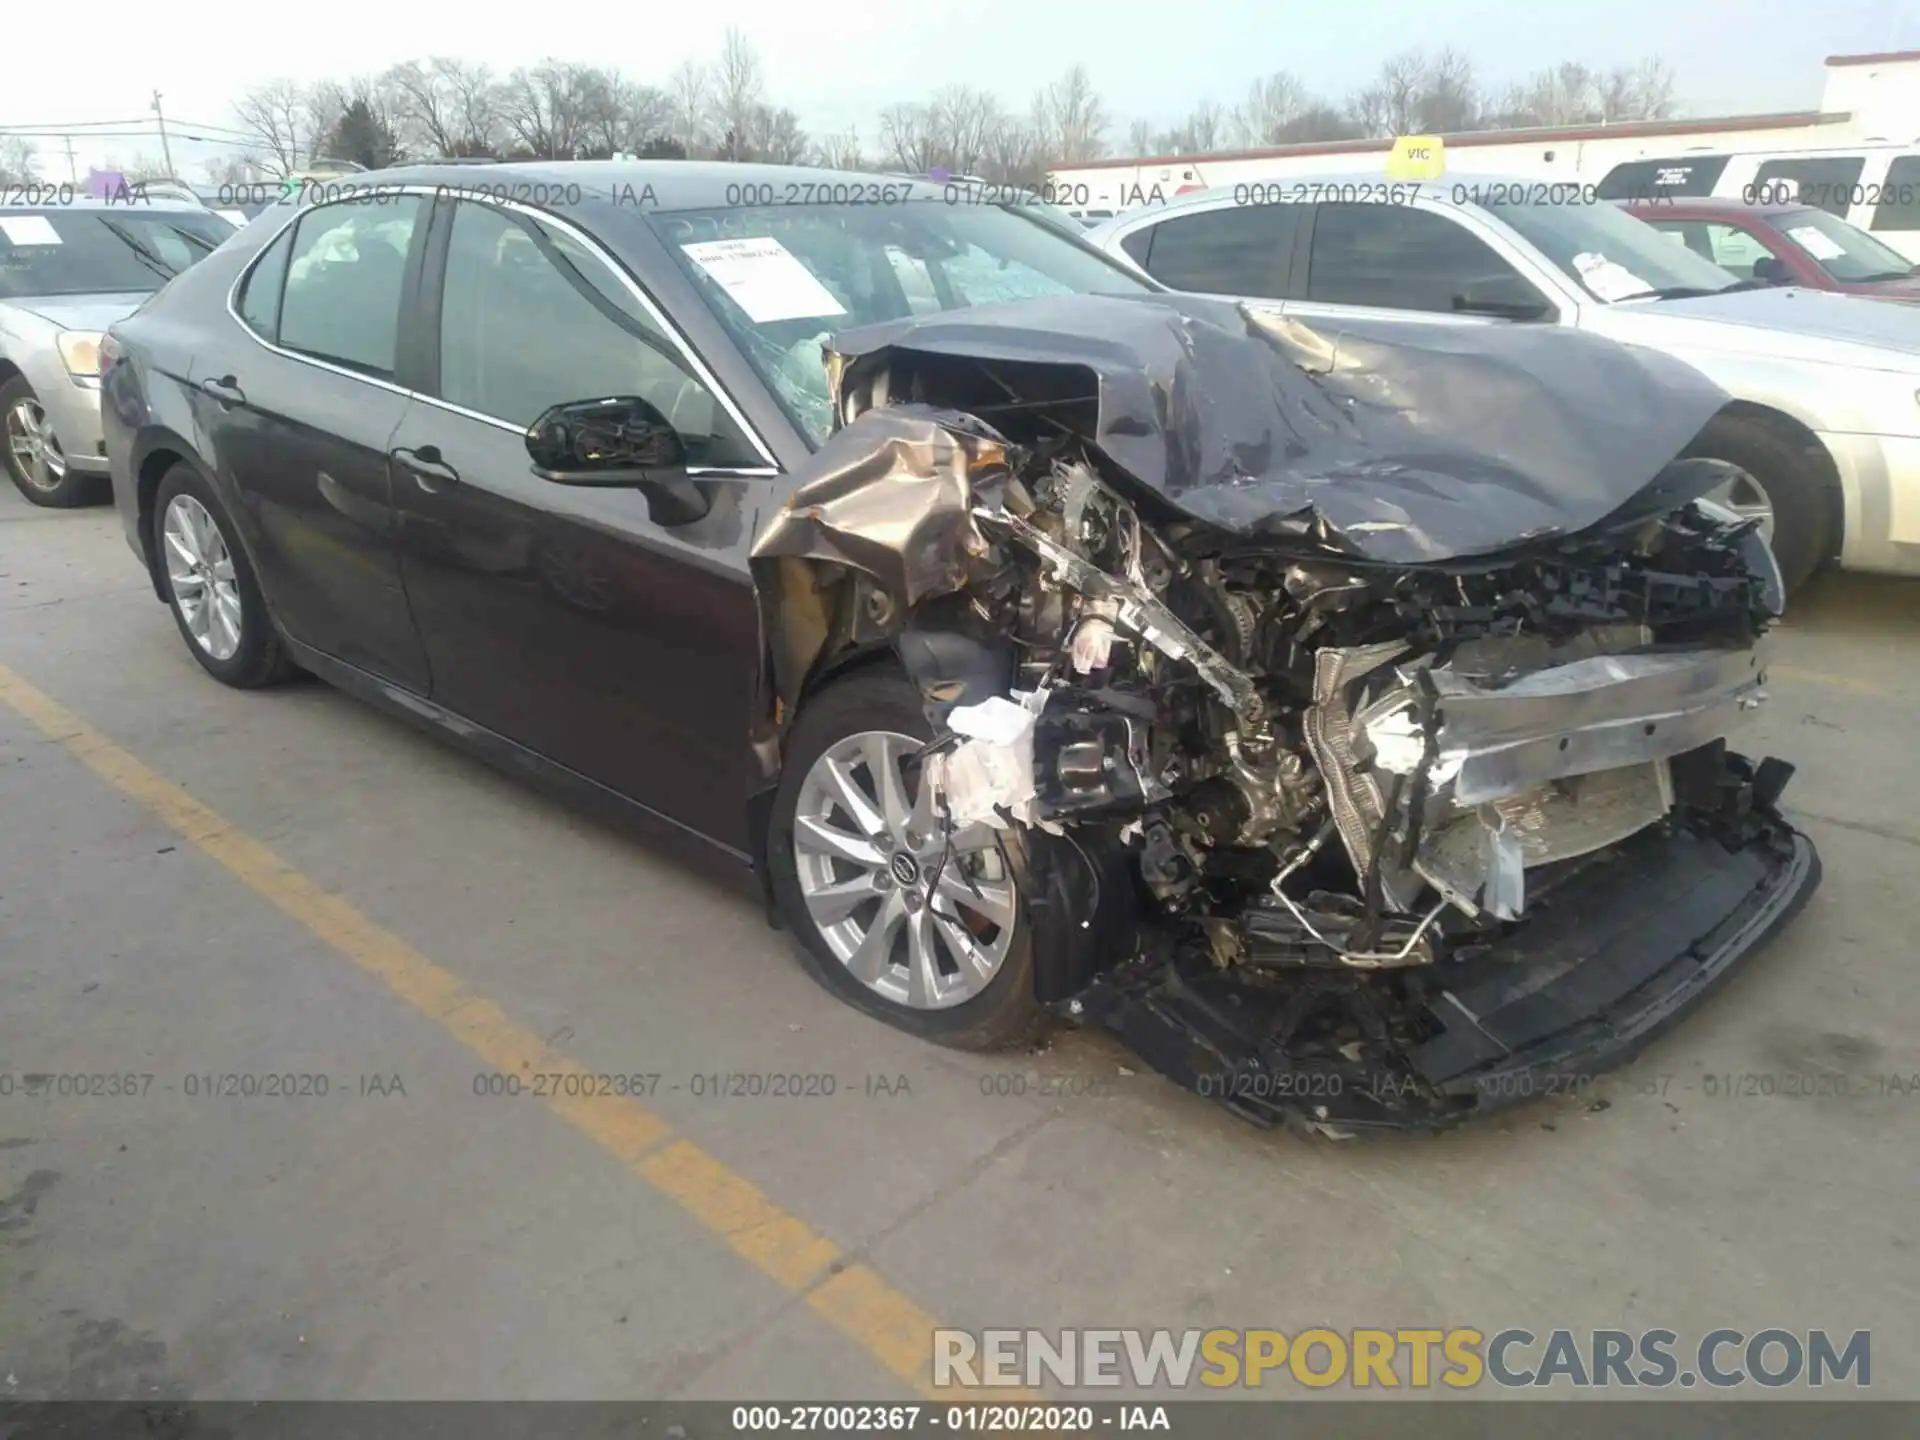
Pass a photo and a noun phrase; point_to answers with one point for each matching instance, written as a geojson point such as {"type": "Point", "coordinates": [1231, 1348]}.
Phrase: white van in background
{"type": "Point", "coordinates": [1876, 187]}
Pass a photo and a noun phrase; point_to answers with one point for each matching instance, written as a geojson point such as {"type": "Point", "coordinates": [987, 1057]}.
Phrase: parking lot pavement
{"type": "Point", "coordinates": [197, 883]}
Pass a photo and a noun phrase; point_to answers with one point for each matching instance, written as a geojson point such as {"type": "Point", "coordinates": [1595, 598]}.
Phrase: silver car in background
{"type": "Point", "coordinates": [1825, 424]}
{"type": "Point", "coordinates": [67, 271]}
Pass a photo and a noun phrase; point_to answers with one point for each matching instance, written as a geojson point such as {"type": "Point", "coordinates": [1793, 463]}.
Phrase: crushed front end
{"type": "Point", "coordinates": [1344, 793]}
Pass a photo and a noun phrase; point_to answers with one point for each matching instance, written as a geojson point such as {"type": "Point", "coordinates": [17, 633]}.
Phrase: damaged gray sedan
{"type": "Point", "coordinates": [1339, 718]}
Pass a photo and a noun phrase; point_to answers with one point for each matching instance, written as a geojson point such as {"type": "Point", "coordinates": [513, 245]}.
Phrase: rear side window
{"type": "Point", "coordinates": [1398, 258]}
{"type": "Point", "coordinates": [1671, 178]}
{"type": "Point", "coordinates": [260, 295]}
{"type": "Point", "coordinates": [345, 274]}
{"type": "Point", "coordinates": [1830, 182]}
{"type": "Point", "coordinates": [1138, 244]}
{"type": "Point", "coordinates": [1899, 207]}
{"type": "Point", "coordinates": [1243, 250]}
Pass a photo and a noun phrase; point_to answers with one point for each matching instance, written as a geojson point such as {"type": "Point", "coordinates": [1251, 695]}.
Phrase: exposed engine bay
{"type": "Point", "coordinates": [1339, 806]}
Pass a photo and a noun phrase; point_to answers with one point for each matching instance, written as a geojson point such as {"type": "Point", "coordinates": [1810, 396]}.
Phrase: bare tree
{"type": "Point", "coordinates": [907, 137]}
{"type": "Point", "coordinates": [16, 160]}
{"type": "Point", "coordinates": [840, 151]}
{"type": "Point", "coordinates": [738, 85]}
{"type": "Point", "coordinates": [964, 120]}
{"type": "Point", "coordinates": [1142, 138]}
{"type": "Point", "coordinates": [1640, 92]}
{"type": "Point", "coordinates": [1073, 118]}
{"type": "Point", "coordinates": [774, 135]}
{"type": "Point", "coordinates": [545, 108]}
{"type": "Point", "coordinates": [274, 116]}
{"type": "Point", "coordinates": [690, 90]}
{"type": "Point", "coordinates": [1017, 154]}
{"type": "Point", "coordinates": [1272, 103]}
{"type": "Point", "coordinates": [360, 114]}
{"type": "Point", "coordinates": [1414, 93]}
{"type": "Point", "coordinates": [442, 106]}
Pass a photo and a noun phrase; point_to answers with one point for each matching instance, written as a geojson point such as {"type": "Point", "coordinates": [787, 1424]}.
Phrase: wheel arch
{"type": "Point", "coordinates": [1795, 433]}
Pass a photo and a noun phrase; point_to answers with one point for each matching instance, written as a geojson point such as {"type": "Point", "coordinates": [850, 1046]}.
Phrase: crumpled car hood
{"type": "Point", "coordinates": [1401, 442]}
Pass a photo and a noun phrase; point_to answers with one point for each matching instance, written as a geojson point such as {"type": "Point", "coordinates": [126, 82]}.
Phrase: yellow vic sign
{"type": "Point", "coordinates": [1417, 157]}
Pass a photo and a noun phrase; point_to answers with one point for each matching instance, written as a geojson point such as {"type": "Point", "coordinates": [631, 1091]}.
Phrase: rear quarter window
{"type": "Point", "coordinates": [1672, 178]}
{"type": "Point", "coordinates": [1899, 199]}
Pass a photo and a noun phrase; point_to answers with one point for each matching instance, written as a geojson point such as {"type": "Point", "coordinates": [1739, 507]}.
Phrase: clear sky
{"type": "Point", "coordinates": [837, 65]}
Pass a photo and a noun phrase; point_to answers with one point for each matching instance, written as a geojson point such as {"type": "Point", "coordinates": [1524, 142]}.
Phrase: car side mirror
{"type": "Point", "coordinates": [618, 442]}
{"type": "Point", "coordinates": [1506, 296]}
{"type": "Point", "coordinates": [1771, 270]}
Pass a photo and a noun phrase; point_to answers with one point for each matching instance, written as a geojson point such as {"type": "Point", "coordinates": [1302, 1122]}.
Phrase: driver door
{"type": "Point", "coordinates": [562, 617]}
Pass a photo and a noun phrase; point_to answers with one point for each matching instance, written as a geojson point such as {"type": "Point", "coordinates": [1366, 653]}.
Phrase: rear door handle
{"type": "Point", "coordinates": [426, 465]}
{"type": "Point", "coordinates": [226, 390]}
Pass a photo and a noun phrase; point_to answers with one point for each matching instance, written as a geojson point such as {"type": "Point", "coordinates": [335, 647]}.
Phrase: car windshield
{"type": "Point", "coordinates": [131, 249]}
{"type": "Point", "coordinates": [1610, 254]}
{"type": "Point", "coordinates": [1848, 254]}
{"type": "Point", "coordinates": [783, 278]}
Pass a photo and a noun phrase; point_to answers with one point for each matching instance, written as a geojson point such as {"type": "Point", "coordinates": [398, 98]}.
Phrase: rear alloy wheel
{"type": "Point", "coordinates": [893, 914]}
{"type": "Point", "coordinates": [35, 461]}
{"type": "Point", "coordinates": [211, 588]}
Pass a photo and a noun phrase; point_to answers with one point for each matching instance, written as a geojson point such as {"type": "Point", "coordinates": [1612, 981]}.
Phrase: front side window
{"type": "Point", "coordinates": [345, 274]}
{"type": "Point", "coordinates": [1398, 257]}
{"type": "Point", "coordinates": [1844, 251]}
{"type": "Point", "coordinates": [531, 319]}
{"type": "Point", "coordinates": [782, 279]}
{"type": "Point", "coordinates": [1899, 207]}
{"type": "Point", "coordinates": [1830, 182]}
{"type": "Point", "coordinates": [101, 251]}
{"type": "Point", "coordinates": [1610, 254]}
{"type": "Point", "coordinates": [1241, 250]}
{"type": "Point", "coordinates": [1735, 250]}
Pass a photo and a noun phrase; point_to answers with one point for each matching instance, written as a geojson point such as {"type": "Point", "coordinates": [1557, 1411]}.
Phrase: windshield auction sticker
{"type": "Point", "coordinates": [765, 279]}
{"type": "Point", "coordinates": [29, 230]}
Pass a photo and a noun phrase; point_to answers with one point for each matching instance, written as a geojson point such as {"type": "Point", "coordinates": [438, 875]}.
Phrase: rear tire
{"type": "Point", "coordinates": [210, 586]}
{"type": "Point", "coordinates": [1799, 494]}
{"type": "Point", "coordinates": [1000, 1013]}
{"type": "Point", "coordinates": [35, 462]}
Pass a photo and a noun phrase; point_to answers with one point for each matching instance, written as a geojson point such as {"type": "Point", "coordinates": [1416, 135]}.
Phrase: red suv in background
{"type": "Point", "coordinates": [1785, 244]}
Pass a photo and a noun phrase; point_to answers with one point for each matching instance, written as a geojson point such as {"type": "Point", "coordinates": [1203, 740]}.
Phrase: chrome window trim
{"type": "Point", "coordinates": [593, 247]}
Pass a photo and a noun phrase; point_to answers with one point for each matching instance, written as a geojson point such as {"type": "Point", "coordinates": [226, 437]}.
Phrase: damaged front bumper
{"type": "Point", "coordinates": [1593, 979]}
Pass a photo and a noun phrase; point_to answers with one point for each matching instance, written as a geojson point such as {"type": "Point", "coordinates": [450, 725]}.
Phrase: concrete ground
{"type": "Point", "coordinates": [198, 883]}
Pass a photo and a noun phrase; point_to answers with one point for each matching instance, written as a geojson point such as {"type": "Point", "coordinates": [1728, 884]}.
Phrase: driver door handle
{"type": "Point", "coordinates": [226, 390]}
{"type": "Point", "coordinates": [426, 464]}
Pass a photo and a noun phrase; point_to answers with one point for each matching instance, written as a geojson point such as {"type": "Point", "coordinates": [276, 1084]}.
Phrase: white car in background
{"type": "Point", "coordinates": [1825, 424]}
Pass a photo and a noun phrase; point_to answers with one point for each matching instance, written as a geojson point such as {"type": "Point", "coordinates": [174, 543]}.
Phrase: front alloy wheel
{"type": "Point", "coordinates": [920, 916]}
{"type": "Point", "coordinates": [200, 573]}
{"type": "Point", "coordinates": [38, 459]}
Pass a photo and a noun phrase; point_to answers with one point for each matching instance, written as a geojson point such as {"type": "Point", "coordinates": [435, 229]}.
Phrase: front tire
{"type": "Point", "coordinates": [32, 453]}
{"type": "Point", "coordinates": [924, 930]}
{"type": "Point", "coordinates": [211, 588]}
{"type": "Point", "coordinates": [1779, 483]}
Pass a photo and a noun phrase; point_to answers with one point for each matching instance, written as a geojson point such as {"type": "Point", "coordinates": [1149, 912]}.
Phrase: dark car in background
{"type": "Point", "coordinates": [1025, 624]}
{"type": "Point", "coordinates": [1785, 244]}
{"type": "Point", "coordinates": [68, 269]}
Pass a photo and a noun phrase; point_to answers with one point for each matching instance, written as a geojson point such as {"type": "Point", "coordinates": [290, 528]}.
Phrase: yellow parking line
{"type": "Point", "coordinates": [850, 1296]}
{"type": "Point", "coordinates": [1820, 677]}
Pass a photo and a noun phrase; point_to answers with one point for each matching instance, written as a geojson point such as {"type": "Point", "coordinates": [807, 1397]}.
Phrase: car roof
{"type": "Point", "coordinates": [87, 204]}
{"type": "Point", "coordinates": [1312, 185]}
{"type": "Point", "coordinates": [1719, 205]}
{"type": "Point", "coordinates": [676, 184]}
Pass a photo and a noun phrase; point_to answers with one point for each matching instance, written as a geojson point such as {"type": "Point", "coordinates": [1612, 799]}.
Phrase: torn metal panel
{"type": "Point", "coordinates": [1399, 442]}
{"type": "Point", "coordinates": [1601, 713]}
